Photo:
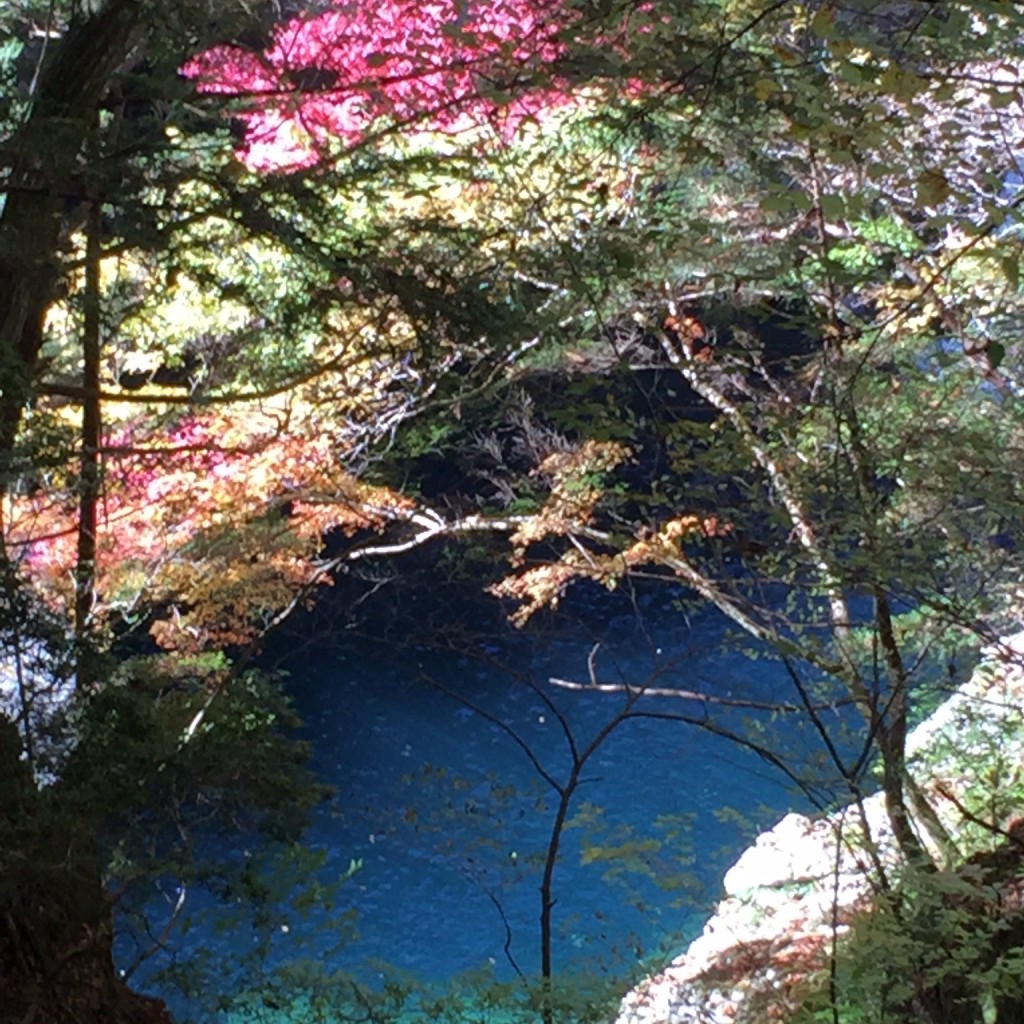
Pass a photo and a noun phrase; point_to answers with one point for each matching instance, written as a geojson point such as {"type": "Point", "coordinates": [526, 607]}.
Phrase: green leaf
{"type": "Point", "coordinates": [779, 202]}
{"type": "Point", "coordinates": [1011, 270]}
{"type": "Point", "coordinates": [932, 188]}
{"type": "Point", "coordinates": [880, 170]}
{"type": "Point", "coordinates": [833, 206]}
{"type": "Point", "coordinates": [823, 22]}
{"type": "Point", "coordinates": [1002, 98]}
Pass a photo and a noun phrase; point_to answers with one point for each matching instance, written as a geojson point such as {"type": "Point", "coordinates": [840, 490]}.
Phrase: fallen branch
{"type": "Point", "coordinates": [706, 698]}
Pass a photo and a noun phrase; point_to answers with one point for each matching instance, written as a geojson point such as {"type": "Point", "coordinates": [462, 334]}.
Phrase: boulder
{"type": "Point", "coordinates": [791, 895]}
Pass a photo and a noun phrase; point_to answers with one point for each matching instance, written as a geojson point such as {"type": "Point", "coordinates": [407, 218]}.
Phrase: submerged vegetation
{"type": "Point", "coordinates": [723, 295]}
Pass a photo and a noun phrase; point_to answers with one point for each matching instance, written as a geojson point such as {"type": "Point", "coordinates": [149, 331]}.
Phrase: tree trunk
{"type": "Point", "coordinates": [56, 963]}
{"type": "Point", "coordinates": [888, 727]}
{"type": "Point", "coordinates": [89, 477]}
{"type": "Point", "coordinates": [42, 185]}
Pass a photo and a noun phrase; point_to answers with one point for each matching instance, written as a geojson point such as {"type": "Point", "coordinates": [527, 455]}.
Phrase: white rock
{"type": "Point", "coordinates": [778, 857]}
{"type": "Point", "coordinates": [782, 893]}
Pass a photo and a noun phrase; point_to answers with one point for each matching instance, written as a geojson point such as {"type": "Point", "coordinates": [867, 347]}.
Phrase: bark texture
{"type": "Point", "coordinates": [56, 964]}
{"type": "Point", "coordinates": [45, 181]}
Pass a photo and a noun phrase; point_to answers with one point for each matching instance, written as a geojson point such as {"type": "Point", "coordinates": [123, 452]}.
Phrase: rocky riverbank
{"type": "Point", "coordinates": [793, 893]}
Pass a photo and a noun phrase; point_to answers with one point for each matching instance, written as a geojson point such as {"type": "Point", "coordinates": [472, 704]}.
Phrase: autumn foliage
{"type": "Point", "coordinates": [219, 517]}
{"type": "Point", "coordinates": [220, 521]}
{"type": "Point", "coordinates": [442, 66]}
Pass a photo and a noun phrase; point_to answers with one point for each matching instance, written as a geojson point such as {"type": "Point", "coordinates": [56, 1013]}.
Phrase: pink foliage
{"type": "Point", "coordinates": [210, 477]}
{"type": "Point", "coordinates": [440, 65]}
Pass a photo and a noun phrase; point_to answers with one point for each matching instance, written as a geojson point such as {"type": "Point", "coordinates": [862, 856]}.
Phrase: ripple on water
{"type": "Point", "coordinates": [450, 817]}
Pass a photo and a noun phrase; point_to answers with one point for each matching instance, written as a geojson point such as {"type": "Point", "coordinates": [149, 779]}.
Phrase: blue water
{"type": "Point", "coordinates": [440, 804]}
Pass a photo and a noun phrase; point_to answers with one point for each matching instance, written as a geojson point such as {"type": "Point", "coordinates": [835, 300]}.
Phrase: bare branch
{"type": "Point", "coordinates": [657, 691]}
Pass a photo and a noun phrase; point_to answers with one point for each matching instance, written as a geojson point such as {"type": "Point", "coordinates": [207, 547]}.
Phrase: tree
{"type": "Point", "coordinates": [430, 238]}
{"type": "Point", "coordinates": [874, 499]}
{"type": "Point", "coordinates": [106, 178]}
{"type": "Point", "coordinates": [332, 78]}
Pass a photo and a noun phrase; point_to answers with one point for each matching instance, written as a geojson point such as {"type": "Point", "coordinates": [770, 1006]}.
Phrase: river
{"type": "Point", "coordinates": [440, 816]}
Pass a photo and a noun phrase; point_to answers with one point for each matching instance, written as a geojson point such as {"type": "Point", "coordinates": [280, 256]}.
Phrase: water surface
{"type": "Point", "coordinates": [437, 763]}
